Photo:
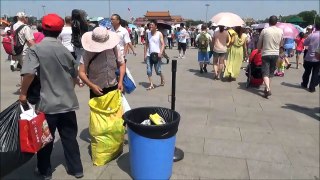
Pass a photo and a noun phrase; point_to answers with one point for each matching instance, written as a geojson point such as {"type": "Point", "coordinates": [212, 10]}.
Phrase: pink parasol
{"type": "Point", "coordinates": [289, 31]}
{"type": "Point", "coordinates": [227, 19]}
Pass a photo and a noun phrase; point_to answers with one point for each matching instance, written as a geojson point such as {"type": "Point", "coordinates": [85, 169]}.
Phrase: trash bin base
{"type": "Point", "coordinates": [150, 158]}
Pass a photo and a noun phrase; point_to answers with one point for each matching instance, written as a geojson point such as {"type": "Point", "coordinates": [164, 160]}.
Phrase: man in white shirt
{"type": "Point", "coordinates": [182, 41]}
{"type": "Point", "coordinates": [25, 38]}
{"type": "Point", "coordinates": [123, 33]}
{"type": "Point", "coordinates": [269, 43]}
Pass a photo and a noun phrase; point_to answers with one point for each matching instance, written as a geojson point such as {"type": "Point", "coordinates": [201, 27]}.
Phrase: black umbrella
{"type": "Point", "coordinates": [162, 25]}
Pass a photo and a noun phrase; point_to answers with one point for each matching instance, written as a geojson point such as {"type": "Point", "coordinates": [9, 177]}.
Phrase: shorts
{"type": "Point", "coordinates": [298, 52]}
{"type": "Point", "coordinates": [203, 57]}
{"type": "Point", "coordinates": [157, 67]}
{"type": "Point", "coordinates": [269, 65]}
{"type": "Point", "coordinates": [288, 52]}
{"type": "Point", "coordinates": [210, 54]}
{"type": "Point", "coordinates": [183, 46]}
{"type": "Point", "coordinates": [218, 56]}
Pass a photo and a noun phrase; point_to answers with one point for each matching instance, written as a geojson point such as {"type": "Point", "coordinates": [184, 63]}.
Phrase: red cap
{"type": "Point", "coordinates": [52, 22]}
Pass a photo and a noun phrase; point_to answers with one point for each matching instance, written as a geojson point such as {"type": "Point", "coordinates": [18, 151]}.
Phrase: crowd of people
{"type": "Point", "coordinates": [76, 54]}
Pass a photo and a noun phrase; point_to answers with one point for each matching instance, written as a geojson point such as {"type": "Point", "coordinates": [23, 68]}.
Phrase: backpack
{"type": "Point", "coordinates": [203, 42]}
{"type": "Point", "coordinates": [79, 26]}
{"type": "Point", "coordinates": [11, 42]}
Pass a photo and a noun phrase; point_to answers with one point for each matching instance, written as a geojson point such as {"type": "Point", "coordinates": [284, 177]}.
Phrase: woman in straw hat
{"type": "Point", "coordinates": [100, 60]}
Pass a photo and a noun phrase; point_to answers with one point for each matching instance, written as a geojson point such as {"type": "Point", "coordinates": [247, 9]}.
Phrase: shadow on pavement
{"type": "Point", "coordinates": [196, 72]}
{"type": "Point", "coordinates": [144, 84]}
{"type": "Point", "coordinates": [26, 171]}
{"type": "Point", "coordinates": [312, 112]}
{"type": "Point", "coordinates": [252, 89]}
{"type": "Point", "coordinates": [85, 135]}
{"type": "Point", "coordinates": [124, 163]}
{"type": "Point", "coordinates": [291, 85]}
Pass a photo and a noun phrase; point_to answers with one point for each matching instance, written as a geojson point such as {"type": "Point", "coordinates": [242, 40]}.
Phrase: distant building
{"type": "Point", "coordinates": [158, 15]}
{"type": "Point", "coordinates": [176, 19]}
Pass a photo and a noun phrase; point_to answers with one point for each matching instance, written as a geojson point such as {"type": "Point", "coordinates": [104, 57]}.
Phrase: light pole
{"type": "Point", "coordinates": [44, 11]}
{"type": "Point", "coordinates": [109, 10]}
{"type": "Point", "coordinates": [314, 19]}
{"type": "Point", "coordinates": [207, 5]}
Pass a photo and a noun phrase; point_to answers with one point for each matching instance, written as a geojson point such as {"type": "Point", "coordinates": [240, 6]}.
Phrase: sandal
{"type": "Point", "coordinates": [162, 83]}
{"type": "Point", "coordinates": [150, 88]}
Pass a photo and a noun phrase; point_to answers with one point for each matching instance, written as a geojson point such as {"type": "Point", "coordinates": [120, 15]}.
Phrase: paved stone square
{"type": "Point", "coordinates": [226, 130]}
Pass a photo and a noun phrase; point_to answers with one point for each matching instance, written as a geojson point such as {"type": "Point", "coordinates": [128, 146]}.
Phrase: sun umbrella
{"type": "Point", "coordinates": [199, 26]}
{"type": "Point", "coordinates": [105, 23]}
{"type": "Point", "coordinates": [227, 19]}
{"type": "Point", "coordinates": [289, 31]}
{"type": "Point", "coordinates": [132, 26]}
{"type": "Point", "coordinates": [300, 29]}
{"type": "Point", "coordinates": [93, 19]}
{"type": "Point", "coordinates": [261, 26]}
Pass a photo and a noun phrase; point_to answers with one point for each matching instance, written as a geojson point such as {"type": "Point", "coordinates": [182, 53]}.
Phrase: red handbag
{"type": "Point", "coordinates": [34, 133]}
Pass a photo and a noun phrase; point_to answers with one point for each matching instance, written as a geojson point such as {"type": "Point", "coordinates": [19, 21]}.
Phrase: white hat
{"type": "Point", "coordinates": [21, 14]}
{"type": "Point", "coordinates": [99, 39]}
{"type": "Point", "coordinates": [309, 27]}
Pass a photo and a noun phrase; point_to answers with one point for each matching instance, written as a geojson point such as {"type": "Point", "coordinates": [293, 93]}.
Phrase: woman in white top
{"type": "Point", "coordinates": [66, 35]}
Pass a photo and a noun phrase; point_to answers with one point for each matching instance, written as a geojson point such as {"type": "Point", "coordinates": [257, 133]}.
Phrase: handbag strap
{"type": "Point", "coordinates": [93, 57]}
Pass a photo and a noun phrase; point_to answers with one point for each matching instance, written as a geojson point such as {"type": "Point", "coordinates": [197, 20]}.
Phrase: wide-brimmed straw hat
{"type": "Point", "coordinates": [99, 39]}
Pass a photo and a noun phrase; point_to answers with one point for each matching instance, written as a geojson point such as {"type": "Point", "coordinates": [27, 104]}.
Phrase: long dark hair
{"type": "Point", "coordinates": [238, 30]}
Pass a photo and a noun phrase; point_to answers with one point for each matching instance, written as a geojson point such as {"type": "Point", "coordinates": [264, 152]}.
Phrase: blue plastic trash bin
{"type": "Point", "coordinates": [151, 147]}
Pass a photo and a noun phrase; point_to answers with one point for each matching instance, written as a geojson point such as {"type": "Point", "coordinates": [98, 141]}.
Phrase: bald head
{"type": "Point", "coordinates": [273, 20]}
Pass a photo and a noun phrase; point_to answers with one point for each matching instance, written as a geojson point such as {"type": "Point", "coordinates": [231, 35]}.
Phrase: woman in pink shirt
{"type": "Point", "coordinates": [38, 36]}
{"type": "Point", "coordinates": [299, 47]}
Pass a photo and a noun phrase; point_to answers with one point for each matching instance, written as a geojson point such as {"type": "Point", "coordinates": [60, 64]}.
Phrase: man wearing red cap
{"type": "Point", "coordinates": [58, 100]}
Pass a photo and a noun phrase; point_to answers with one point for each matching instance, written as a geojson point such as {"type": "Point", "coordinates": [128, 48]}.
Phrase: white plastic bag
{"type": "Point", "coordinates": [125, 104]}
{"type": "Point", "coordinates": [28, 114]}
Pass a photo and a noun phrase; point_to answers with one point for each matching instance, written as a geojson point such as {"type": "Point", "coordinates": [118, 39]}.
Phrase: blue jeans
{"type": "Point", "coordinates": [157, 67]}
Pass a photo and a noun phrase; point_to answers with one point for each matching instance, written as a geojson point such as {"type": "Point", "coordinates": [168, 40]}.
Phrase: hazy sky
{"type": "Point", "coordinates": [187, 9]}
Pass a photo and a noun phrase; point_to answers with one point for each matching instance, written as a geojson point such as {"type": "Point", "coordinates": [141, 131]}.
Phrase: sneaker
{"type": "Point", "coordinates": [168, 61]}
{"type": "Point", "coordinates": [205, 69]}
{"type": "Point", "coordinates": [183, 57]}
{"type": "Point", "coordinates": [12, 67]}
{"type": "Point", "coordinates": [289, 65]}
{"type": "Point", "coordinates": [303, 86]}
{"type": "Point", "coordinates": [312, 90]}
{"type": "Point", "coordinates": [76, 175]}
{"type": "Point", "coordinates": [45, 177]}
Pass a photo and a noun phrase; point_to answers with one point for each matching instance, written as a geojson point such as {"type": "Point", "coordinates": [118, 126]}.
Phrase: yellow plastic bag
{"type": "Point", "coordinates": [106, 127]}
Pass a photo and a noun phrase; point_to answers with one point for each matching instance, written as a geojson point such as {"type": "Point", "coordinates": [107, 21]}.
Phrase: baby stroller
{"type": "Point", "coordinates": [253, 71]}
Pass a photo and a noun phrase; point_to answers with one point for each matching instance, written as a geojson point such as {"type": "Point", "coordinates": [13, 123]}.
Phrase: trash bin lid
{"type": "Point", "coordinates": [134, 117]}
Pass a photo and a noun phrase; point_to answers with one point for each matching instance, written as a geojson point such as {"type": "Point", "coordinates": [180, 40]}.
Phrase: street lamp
{"type": "Point", "coordinates": [44, 12]}
{"type": "Point", "coordinates": [207, 5]}
{"type": "Point", "coordinates": [314, 19]}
